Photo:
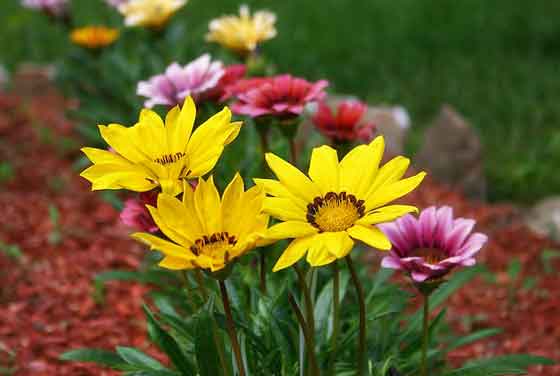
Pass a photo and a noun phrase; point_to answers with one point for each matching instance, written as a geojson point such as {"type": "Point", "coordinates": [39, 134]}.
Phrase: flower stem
{"type": "Point", "coordinates": [262, 267]}
{"type": "Point", "coordinates": [231, 329]}
{"type": "Point", "coordinates": [308, 301]}
{"type": "Point", "coordinates": [293, 151]}
{"type": "Point", "coordinates": [362, 306]}
{"type": "Point", "coordinates": [306, 334]}
{"type": "Point", "coordinates": [200, 282]}
{"type": "Point", "coordinates": [336, 321]}
{"type": "Point", "coordinates": [425, 334]}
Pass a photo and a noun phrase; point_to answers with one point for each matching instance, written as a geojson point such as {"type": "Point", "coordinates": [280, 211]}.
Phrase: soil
{"type": "Point", "coordinates": [47, 299]}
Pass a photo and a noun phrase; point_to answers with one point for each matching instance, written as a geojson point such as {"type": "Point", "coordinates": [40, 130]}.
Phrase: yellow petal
{"type": "Point", "coordinates": [339, 244]}
{"type": "Point", "coordinates": [152, 133]}
{"type": "Point", "coordinates": [164, 246]}
{"type": "Point", "coordinates": [179, 124]}
{"type": "Point", "coordinates": [275, 188]}
{"type": "Point", "coordinates": [323, 169]}
{"type": "Point", "coordinates": [318, 254]}
{"type": "Point", "coordinates": [124, 141]}
{"type": "Point", "coordinates": [106, 176]}
{"type": "Point", "coordinates": [386, 214]}
{"type": "Point", "coordinates": [372, 236]}
{"type": "Point", "coordinates": [179, 219]}
{"type": "Point", "coordinates": [290, 229]}
{"type": "Point", "coordinates": [175, 263]}
{"type": "Point", "coordinates": [207, 205]}
{"type": "Point", "coordinates": [393, 191]}
{"type": "Point", "coordinates": [359, 166]}
{"type": "Point", "coordinates": [283, 209]}
{"type": "Point", "coordinates": [99, 156]}
{"type": "Point", "coordinates": [231, 204]}
{"type": "Point", "coordinates": [295, 251]}
{"type": "Point", "coordinates": [389, 173]}
{"type": "Point", "coordinates": [292, 178]}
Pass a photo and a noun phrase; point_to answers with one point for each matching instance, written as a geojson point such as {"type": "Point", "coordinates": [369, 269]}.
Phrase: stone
{"type": "Point", "coordinates": [453, 154]}
{"type": "Point", "coordinates": [544, 218]}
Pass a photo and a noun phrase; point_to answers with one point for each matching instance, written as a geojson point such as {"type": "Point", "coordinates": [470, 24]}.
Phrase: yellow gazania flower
{"type": "Point", "coordinates": [340, 201]}
{"type": "Point", "coordinates": [152, 154]}
{"type": "Point", "coordinates": [94, 36]}
{"type": "Point", "coordinates": [242, 33]}
{"type": "Point", "coordinates": [149, 13]}
{"type": "Point", "coordinates": [207, 232]}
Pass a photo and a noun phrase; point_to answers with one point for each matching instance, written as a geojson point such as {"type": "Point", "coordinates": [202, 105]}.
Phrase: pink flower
{"type": "Point", "coordinates": [232, 75]}
{"type": "Point", "coordinates": [136, 215]}
{"type": "Point", "coordinates": [115, 3]}
{"type": "Point", "coordinates": [430, 246]}
{"type": "Point", "coordinates": [172, 87]}
{"type": "Point", "coordinates": [54, 8]}
{"type": "Point", "coordinates": [281, 96]}
{"type": "Point", "coordinates": [344, 126]}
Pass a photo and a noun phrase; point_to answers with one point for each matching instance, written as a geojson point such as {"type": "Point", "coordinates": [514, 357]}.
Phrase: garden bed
{"type": "Point", "coordinates": [66, 235]}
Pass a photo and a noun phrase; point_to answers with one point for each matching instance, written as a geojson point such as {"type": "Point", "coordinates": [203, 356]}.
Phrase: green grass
{"type": "Point", "coordinates": [495, 61]}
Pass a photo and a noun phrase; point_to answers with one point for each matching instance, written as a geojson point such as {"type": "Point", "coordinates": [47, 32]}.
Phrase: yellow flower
{"type": "Point", "coordinates": [152, 154]}
{"type": "Point", "coordinates": [242, 33]}
{"type": "Point", "coordinates": [338, 202]}
{"type": "Point", "coordinates": [149, 13]}
{"type": "Point", "coordinates": [94, 36]}
{"type": "Point", "coordinates": [207, 232]}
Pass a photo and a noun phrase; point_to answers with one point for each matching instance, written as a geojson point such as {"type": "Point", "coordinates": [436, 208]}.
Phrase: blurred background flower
{"type": "Point", "coordinates": [344, 125]}
{"type": "Point", "coordinates": [172, 87]}
{"type": "Point", "coordinates": [242, 33]}
{"type": "Point", "coordinates": [54, 8]}
{"type": "Point", "coordinates": [149, 13]}
{"type": "Point", "coordinates": [281, 96]}
{"type": "Point", "coordinates": [135, 214]}
{"type": "Point", "coordinates": [94, 37]}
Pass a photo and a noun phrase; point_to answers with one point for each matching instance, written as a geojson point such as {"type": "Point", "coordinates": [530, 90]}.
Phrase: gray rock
{"type": "Point", "coordinates": [452, 153]}
{"type": "Point", "coordinates": [544, 218]}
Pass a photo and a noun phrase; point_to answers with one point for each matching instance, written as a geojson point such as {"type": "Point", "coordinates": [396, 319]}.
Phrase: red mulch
{"type": "Point", "coordinates": [47, 306]}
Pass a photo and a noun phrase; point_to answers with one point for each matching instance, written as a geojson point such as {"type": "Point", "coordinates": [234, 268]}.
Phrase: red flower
{"type": "Point", "coordinates": [281, 96]}
{"type": "Point", "coordinates": [232, 76]}
{"type": "Point", "coordinates": [344, 126]}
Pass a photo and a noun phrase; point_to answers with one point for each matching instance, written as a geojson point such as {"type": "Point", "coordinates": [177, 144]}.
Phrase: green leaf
{"type": "Point", "coordinates": [468, 339]}
{"type": "Point", "coordinates": [138, 358]}
{"type": "Point", "coordinates": [205, 346]}
{"type": "Point", "coordinates": [156, 277]}
{"type": "Point", "coordinates": [168, 344]}
{"type": "Point", "coordinates": [500, 365]}
{"type": "Point", "coordinates": [103, 357]}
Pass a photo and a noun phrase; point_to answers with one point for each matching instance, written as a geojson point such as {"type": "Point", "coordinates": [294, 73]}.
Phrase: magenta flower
{"type": "Point", "coordinates": [281, 96]}
{"type": "Point", "coordinates": [136, 215]}
{"type": "Point", "coordinates": [55, 8]}
{"type": "Point", "coordinates": [430, 246]}
{"type": "Point", "coordinates": [172, 87]}
{"type": "Point", "coordinates": [115, 3]}
{"type": "Point", "coordinates": [345, 125]}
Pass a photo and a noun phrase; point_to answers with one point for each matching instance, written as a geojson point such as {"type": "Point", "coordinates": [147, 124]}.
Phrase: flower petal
{"type": "Point", "coordinates": [393, 191]}
{"type": "Point", "coordinates": [290, 229]}
{"type": "Point", "coordinates": [179, 124]}
{"type": "Point", "coordinates": [372, 236]}
{"type": "Point", "coordinates": [295, 251]}
{"type": "Point", "coordinates": [359, 167]}
{"type": "Point", "coordinates": [175, 263]}
{"type": "Point", "coordinates": [323, 169]}
{"type": "Point", "coordinates": [292, 178]}
{"type": "Point", "coordinates": [166, 247]}
{"type": "Point", "coordinates": [386, 214]}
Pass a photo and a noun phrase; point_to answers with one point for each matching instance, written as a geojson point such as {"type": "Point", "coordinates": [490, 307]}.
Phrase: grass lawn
{"type": "Point", "coordinates": [497, 62]}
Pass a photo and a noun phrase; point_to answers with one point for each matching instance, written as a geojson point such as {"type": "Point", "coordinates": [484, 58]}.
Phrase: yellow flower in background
{"type": "Point", "coordinates": [153, 153]}
{"type": "Point", "coordinates": [338, 202]}
{"type": "Point", "coordinates": [207, 232]}
{"type": "Point", "coordinates": [94, 36]}
{"type": "Point", "coordinates": [149, 13]}
{"type": "Point", "coordinates": [242, 33]}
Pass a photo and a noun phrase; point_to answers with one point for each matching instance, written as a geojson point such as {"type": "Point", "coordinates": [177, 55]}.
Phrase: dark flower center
{"type": "Point", "coordinates": [335, 211]}
{"type": "Point", "coordinates": [169, 158]}
{"type": "Point", "coordinates": [215, 245]}
{"type": "Point", "coordinates": [430, 255]}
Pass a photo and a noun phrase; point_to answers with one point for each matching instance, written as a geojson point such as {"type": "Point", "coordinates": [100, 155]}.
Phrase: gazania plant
{"type": "Point", "coordinates": [272, 230]}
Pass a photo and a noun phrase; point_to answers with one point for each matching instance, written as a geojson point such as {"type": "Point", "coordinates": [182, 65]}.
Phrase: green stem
{"type": "Point", "coordinates": [362, 306]}
{"type": "Point", "coordinates": [307, 299]}
{"type": "Point", "coordinates": [200, 282]}
{"type": "Point", "coordinates": [307, 335]}
{"type": "Point", "coordinates": [426, 334]}
{"type": "Point", "coordinates": [293, 151]}
{"type": "Point", "coordinates": [231, 329]}
{"type": "Point", "coordinates": [336, 321]}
